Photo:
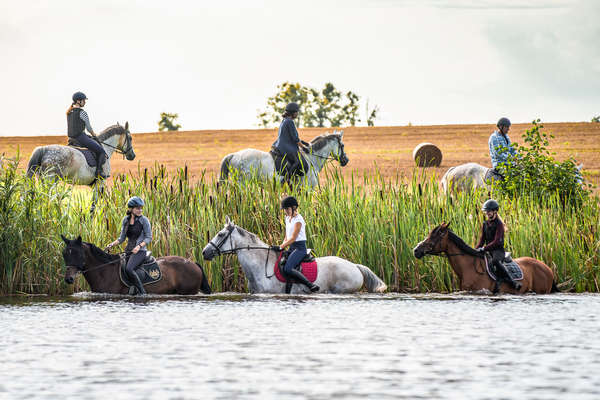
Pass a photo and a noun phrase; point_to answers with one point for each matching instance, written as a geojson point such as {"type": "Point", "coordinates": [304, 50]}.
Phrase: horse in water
{"type": "Point", "coordinates": [101, 270]}
{"type": "Point", "coordinates": [251, 162]}
{"type": "Point", "coordinates": [465, 177]}
{"type": "Point", "coordinates": [471, 269]}
{"type": "Point", "coordinates": [334, 274]}
{"type": "Point", "coordinates": [67, 162]}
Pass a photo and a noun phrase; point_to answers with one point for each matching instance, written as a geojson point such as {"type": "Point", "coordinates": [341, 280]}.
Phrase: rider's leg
{"type": "Point", "coordinates": [98, 150]}
{"type": "Point", "coordinates": [294, 259]}
{"type": "Point", "coordinates": [501, 272]}
{"type": "Point", "coordinates": [135, 260]}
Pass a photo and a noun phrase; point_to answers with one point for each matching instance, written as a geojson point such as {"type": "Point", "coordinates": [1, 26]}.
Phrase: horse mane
{"type": "Point", "coordinates": [462, 245]}
{"type": "Point", "coordinates": [101, 255]}
{"type": "Point", "coordinates": [110, 132]}
{"type": "Point", "coordinates": [320, 141]}
{"type": "Point", "coordinates": [252, 236]}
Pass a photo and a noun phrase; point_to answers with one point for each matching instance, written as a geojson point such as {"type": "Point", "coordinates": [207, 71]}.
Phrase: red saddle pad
{"type": "Point", "coordinates": [309, 270]}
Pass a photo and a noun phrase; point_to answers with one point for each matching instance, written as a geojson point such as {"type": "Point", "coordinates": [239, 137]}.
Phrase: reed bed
{"type": "Point", "coordinates": [366, 218]}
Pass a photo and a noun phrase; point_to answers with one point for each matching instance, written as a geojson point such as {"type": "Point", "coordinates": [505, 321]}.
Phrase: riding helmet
{"type": "Point", "coordinates": [491, 205]}
{"type": "Point", "coordinates": [292, 108]}
{"type": "Point", "coordinates": [135, 201]}
{"type": "Point", "coordinates": [79, 96]}
{"type": "Point", "coordinates": [289, 201]}
{"type": "Point", "coordinates": [503, 122]}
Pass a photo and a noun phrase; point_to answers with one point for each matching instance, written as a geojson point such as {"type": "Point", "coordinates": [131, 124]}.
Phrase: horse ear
{"type": "Point", "coordinates": [78, 240]}
{"type": "Point", "coordinates": [64, 238]}
{"type": "Point", "coordinates": [126, 125]}
{"type": "Point", "coordinates": [227, 220]}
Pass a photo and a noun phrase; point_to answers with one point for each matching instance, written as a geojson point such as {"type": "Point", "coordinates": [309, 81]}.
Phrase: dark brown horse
{"type": "Point", "coordinates": [101, 271]}
{"type": "Point", "coordinates": [470, 266]}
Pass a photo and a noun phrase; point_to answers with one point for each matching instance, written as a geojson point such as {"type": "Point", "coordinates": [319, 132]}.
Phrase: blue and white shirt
{"type": "Point", "coordinates": [499, 141]}
{"type": "Point", "coordinates": [84, 117]}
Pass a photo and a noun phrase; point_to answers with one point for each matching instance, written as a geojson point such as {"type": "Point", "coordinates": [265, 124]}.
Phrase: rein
{"type": "Point", "coordinates": [328, 157]}
{"type": "Point", "coordinates": [118, 149]}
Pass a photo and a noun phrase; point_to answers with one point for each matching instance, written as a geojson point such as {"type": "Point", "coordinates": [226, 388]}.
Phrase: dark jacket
{"type": "Point", "coordinates": [75, 125]}
{"type": "Point", "coordinates": [146, 234]}
{"type": "Point", "coordinates": [492, 235]}
{"type": "Point", "coordinates": [287, 138]}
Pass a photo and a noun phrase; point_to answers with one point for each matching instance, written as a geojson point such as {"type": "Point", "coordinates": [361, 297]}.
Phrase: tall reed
{"type": "Point", "coordinates": [369, 219]}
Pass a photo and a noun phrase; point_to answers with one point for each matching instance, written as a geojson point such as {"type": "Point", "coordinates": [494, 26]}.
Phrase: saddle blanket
{"type": "Point", "coordinates": [90, 157]}
{"type": "Point", "coordinates": [514, 271]}
{"type": "Point", "coordinates": [149, 272]}
{"type": "Point", "coordinates": [309, 269]}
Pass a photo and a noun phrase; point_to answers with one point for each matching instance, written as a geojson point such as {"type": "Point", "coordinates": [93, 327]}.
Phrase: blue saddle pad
{"type": "Point", "coordinates": [514, 271]}
{"type": "Point", "coordinates": [90, 157]}
{"type": "Point", "coordinates": [149, 272]}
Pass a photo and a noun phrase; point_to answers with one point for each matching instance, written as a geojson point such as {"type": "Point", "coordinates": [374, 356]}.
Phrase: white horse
{"type": "Point", "coordinates": [66, 162]}
{"type": "Point", "coordinates": [256, 163]}
{"type": "Point", "coordinates": [471, 176]}
{"type": "Point", "coordinates": [335, 275]}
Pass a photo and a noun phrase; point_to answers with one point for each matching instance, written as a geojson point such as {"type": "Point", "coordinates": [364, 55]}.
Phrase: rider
{"type": "Point", "coordinates": [77, 122]}
{"type": "Point", "coordinates": [500, 145]}
{"type": "Point", "coordinates": [136, 227]}
{"type": "Point", "coordinates": [295, 237]}
{"type": "Point", "coordinates": [287, 142]}
{"type": "Point", "coordinates": [492, 235]}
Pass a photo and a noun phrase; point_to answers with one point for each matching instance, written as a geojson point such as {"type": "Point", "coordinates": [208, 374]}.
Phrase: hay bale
{"type": "Point", "coordinates": [427, 155]}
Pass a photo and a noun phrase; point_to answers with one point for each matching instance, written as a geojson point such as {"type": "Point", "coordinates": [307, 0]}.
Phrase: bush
{"type": "Point", "coordinates": [533, 170]}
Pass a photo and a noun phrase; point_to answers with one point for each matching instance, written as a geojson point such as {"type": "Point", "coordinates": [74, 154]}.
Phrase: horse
{"type": "Point", "coordinates": [256, 163]}
{"type": "Point", "coordinates": [66, 162]}
{"type": "Point", "coordinates": [101, 271]}
{"type": "Point", "coordinates": [470, 176]}
{"type": "Point", "coordinates": [335, 274]}
{"type": "Point", "coordinates": [469, 265]}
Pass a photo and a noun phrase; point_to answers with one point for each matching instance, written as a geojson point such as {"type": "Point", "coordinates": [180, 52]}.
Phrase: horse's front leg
{"type": "Point", "coordinates": [97, 191]}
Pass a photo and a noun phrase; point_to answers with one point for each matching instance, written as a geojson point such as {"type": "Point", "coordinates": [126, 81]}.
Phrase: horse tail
{"type": "Point", "coordinates": [372, 281]}
{"type": "Point", "coordinates": [445, 180]}
{"type": "Point", "coordinates": [555, 288]}
{"type": "Point", "coordinates": [225, 167]}
{"type": "Point", "coordinates": [35, 162]}
{"type": "Point", "coordinates": [204, 286]}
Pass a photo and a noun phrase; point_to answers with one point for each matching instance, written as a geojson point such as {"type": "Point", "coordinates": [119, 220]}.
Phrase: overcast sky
{"type": "Point", "coordinates": [424, 62]}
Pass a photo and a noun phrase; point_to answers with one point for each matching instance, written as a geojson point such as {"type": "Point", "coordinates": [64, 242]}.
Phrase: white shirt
{"type": "Point", "coordinates": [290, 223]}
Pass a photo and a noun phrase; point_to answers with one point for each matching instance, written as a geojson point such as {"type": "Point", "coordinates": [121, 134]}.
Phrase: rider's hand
{"type": "Point", "coordinates": [480, 250]}
{"type": "Point", "coordinates": [304, 143]}
{"type": "Point", "coordinates": [136, 249]}
{"type": "Point", "coordinates": [276, 248]}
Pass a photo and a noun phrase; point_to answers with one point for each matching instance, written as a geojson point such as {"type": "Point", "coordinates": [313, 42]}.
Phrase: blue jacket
{"type": "Point", "coordinates": [287, 138]}
{"type": "Point", "coordinates": [499, 141]}
{"type": "Point", "coordinates": [145, 236]}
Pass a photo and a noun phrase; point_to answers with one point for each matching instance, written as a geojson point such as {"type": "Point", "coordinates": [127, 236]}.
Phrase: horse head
{"type": "Point", "coordinates": [74, 258]}
{"type": "Point", "coordinates": [125, 142]}
{"type": "Point", "coordinates": [330, 146]}
{"type": "Point", "coordinates": [340, 153]}
{"type": "Point", "coordinates": [223, 242]}
{"type": "Point", "coordinates": [435, 243]}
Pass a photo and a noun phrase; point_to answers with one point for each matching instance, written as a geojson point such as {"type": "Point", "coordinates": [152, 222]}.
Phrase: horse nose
{"type": "Point", "coordinates": [206, 255]}
{"type": "Point", "coordinates": [418, 253]}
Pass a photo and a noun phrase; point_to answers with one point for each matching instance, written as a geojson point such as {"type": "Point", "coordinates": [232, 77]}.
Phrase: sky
{"type": "Point", "coordinates": [216, 63]}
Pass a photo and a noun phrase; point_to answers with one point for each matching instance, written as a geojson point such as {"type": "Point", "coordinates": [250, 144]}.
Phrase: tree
{"type": "Point", "coordinates": [167, 122]}
{"type": "Point", "coordinates": [596, 118]}
{"type": "Point", "coordinates": [371, 114]}
{"type": "Point", "coordinates": [318, 108]}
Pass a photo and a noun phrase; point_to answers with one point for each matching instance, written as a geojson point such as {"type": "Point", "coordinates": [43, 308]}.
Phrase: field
{"type": "Point", "coordinates": [390, 148]}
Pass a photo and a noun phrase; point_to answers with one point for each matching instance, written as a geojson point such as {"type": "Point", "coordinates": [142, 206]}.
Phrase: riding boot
{"type": "Point", "coordinates": [288, 286]}
{"type": "Point", "coordinates": [497, 284]}
{"type": "Point", "coordinates": [502, 269]}
{"type": "Point", "coordinates": [138, 283]}
{"type": "Point", "coordinates": [99, 164]}
{"type": "Point", "coordinates": [294, 273]}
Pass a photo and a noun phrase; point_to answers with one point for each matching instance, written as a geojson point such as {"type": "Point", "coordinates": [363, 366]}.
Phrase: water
{"type": "Point", "coordinates": [321, 347]}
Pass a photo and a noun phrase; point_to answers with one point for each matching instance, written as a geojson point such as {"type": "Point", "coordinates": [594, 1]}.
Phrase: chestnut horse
{"type": "Point", "coordinates": [101, 271]}
{"type": "Point", "coordinates": [469, 265]}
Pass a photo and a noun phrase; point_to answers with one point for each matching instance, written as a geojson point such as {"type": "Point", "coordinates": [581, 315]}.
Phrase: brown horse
{"type": "Point", "coordinates": [470, 266]}
{"type": "Point", "coordinates": [101, 271]}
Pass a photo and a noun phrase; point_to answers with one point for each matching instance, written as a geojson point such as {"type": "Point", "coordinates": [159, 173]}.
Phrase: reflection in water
{"type": "Point", "coordinates": [234, 346]}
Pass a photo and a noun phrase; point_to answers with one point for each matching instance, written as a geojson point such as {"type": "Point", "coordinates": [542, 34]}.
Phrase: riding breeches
{"type": "Point", "coordinates": [86, 141]}
{"type": "Point", "coordinates": [298, 253]}
{"type": "Point", "coordinates": [135, 260]}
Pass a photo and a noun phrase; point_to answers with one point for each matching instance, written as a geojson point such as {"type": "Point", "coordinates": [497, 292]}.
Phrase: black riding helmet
{"type": "Point", "coordinates": [292, 108]}
{"type": "Point", "coordinates": [490, 205]}
{"type": "Point", "coordinates": [289, 201]}
{"type": "Point", "coordinates": [79, 96]}
{"type": "Point", "coordinates": [503, 122]}
{"type": "Point", "coordinates": [135, 201]}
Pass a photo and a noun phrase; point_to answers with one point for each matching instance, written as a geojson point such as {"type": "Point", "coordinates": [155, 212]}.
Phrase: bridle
{"type": "Point", "coordinates": [82, 270]}
{"type": "Point", "coordinates": [443, 253]}
{"type": "Point", "coordinates": [117, 149]}
{"type": "Point", "coordinates": [233, 250]}
{"type": "Point", "coordinates": [337, 157]}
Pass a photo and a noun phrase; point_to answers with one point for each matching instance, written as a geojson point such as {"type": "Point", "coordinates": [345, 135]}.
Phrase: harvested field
{"type": "Point", "coordinates": [389, 147]}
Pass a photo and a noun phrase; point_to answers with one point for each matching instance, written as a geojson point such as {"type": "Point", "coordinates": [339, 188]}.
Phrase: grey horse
{"type": "Point", "coordinates": [471, 176]}
{"type": "Point", "coordinates": [256, 163]}
{"type": "Point", "coordinates": [66, 162]}
{"type": "Point", "coordinates": [335, 274]}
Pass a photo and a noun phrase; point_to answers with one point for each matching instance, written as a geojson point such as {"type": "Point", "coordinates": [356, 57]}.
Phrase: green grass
{"type": "Point", "coordinates": [367, 219]}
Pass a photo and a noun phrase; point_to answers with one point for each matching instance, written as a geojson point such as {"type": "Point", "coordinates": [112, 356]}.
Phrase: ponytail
{"type": "Point", "coordinates": [502, 223]}
{"type": "Point", "coordinates": [70, 109]}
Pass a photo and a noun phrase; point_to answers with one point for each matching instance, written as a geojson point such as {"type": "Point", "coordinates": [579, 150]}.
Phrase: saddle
{"type": "Point", "coordinates": [282, 163]}
{"type": "Point", "coordinates": [308, 267]}
{"type": "Point", "coordinates": [89, 155]}
{"type": "Point", "coordinates": [149, 272]}
{"type": "Point", "coordinates": [514, 270]}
